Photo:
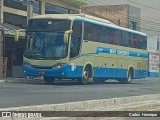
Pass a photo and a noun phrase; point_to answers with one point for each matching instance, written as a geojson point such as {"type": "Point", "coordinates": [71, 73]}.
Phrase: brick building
{"type": "Point", "coordinates": [122, 15]}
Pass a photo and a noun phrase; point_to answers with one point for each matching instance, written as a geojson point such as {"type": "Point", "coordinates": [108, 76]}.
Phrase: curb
{"type": "Point", "coordinates": [134, 103]}
{"type": "Point", "coordinates": [108, 104]}
{"type": "Point", "coordinates": [2, 81]}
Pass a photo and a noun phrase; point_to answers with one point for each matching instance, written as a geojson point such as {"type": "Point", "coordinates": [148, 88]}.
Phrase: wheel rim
{"type": "Point", "coordinates": [85, 75]}
{"type": "Point", "coordinates": [129, 77]}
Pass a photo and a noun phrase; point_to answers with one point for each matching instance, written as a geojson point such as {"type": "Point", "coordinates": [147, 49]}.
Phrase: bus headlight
{"type": "Point", "coordinates": [59, 65]}
{"type": "Point", "coordinates": [26, 64]}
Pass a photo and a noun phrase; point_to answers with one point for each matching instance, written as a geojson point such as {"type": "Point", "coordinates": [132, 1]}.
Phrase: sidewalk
{"type": "Point", "coordinates": [2, 81]}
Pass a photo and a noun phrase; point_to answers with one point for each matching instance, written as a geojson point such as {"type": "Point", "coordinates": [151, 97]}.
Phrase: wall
{"type": "Point", "coordinates": [118, 14]}
{"type": "Point", "coordinates": [134, 16]}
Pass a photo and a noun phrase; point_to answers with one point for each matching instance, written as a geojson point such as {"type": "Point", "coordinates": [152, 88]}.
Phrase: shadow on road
{"type": "Point", "coordinates": [72, 82]}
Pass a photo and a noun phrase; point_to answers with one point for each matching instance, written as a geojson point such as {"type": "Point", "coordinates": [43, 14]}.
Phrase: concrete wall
{"type": "Point", "coordinates": [134, 15]}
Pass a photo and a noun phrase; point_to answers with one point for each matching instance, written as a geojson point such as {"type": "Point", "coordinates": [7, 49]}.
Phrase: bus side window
{"type": "Point", "coordinates": [74, 46]}
{"type": "Point", "coordinates": [143, 42]}
{"type": "Point", "coordinates": [76, 39]}
{"type": "Point", "coordinates": [113, 36]}
{"type": "Point", "coordinates": [129, 40]}
{"type": "Point", "coordinates": [136, 40]}
{"type": "Point", "coordinates": [124, 38]}
{"type": "Point", "coordinates": [88, 31]}
{"type": "Point", "coordinates": [109, 35]}
{"type": "Point", "coordinates": [101, 34]}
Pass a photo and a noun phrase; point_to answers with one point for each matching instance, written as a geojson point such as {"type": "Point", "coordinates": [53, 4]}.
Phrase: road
{"type": "Point", "coordinates": [36, 93]}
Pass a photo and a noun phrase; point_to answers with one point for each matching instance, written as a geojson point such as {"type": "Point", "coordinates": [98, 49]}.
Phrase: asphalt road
{"type": "Point", "coordinates": [36, 93]}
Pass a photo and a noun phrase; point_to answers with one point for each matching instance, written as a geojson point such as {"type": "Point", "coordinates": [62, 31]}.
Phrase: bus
{"type": "Point", "coordinates": [83, 47]}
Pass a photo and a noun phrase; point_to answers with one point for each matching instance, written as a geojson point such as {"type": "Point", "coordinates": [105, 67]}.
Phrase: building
{"type": "Point", "coordinates": [153, 61]}
{"type": "Point", "coordinates": [14, 13]}
{"type": "Point", "coordinates": [123, 15]}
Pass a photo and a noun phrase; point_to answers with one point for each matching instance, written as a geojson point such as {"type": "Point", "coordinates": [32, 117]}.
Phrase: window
{"type": "Point", "coordinates": [116, 36]}
{"type": "Point", "coordinates": [22, 5]}
{"type": "Point", "coordinates": [49, 24]}
{"type": "Point", "coordinates": [76, 39]}
{"type": "Point", "coordinates": [133, 25]}
{"type": "Point", "coordinates": [108, 36]}
{"type": "Point", "coordinates": [136, 41]}
{"type": "Point", "coordinates": [143, 42]}
{"type": "Point", "coordinates": [129, 41]}
{"type": "Point", "coordinates": [53, 9]}
{"type": "Point", "coordinates": [17, 20]}
{"type": "Point", "coordinates": [77, 28]}
{"type": "Point", "coordinates": [124, 39]}
{"type": "Point", "coordinates": [102, 34]}
{"type": "Point", "coordinates": [90, 31]}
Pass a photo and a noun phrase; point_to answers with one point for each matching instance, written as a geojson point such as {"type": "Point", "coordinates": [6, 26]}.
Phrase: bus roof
{"type": "Point", "coordinates": [88, 18]}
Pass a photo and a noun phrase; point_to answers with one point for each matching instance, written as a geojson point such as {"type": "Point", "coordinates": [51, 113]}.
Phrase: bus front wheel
{"type": "Point", "coordinates": [49, 80]}
{"type": "Point", "coordinates": [85, 76]}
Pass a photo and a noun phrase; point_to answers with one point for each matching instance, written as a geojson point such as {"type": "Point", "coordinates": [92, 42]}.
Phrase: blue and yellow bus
{"type": "Point", "coordinates": [81, 47]}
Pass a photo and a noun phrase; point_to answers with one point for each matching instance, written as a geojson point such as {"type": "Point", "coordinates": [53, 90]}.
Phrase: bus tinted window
{"type": "Point", "coordinates": [129, 41]}
{"type": "Point", "coordinates": [76, 39]}
{"type": "Point", "coordinates": [90, 31]}
{"type": "Point", "coordinates": [77, 28]}
{"type": "Point", "coordinates": [116, 36]}
{"type": "Point", "coordinates": [104, 34]}
{"type": "Point", "coordinates": [143, 41]}
{"type": "Point", "coordinates": [49, 24]}
{"type": "Point", "coordinates": [124, 38]}
{"type": "Point", "coordinates": [135, 40]}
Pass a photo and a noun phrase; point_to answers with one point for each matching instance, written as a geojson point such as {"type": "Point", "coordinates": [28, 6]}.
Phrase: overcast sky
{"type": "Point", "coordinates": [150, 13]}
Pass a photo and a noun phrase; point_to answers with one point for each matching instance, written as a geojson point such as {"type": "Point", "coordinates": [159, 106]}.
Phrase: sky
{"type": "Point", "coordinates": [150, 12]}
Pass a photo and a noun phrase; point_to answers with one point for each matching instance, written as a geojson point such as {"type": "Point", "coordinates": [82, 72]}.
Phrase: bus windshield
{"type": "Point", "coordinates": [45, 39]}
{"type": "Point", "coordinates": [45, 45]}
{"type": "Point", "coordinates": [48, 25]}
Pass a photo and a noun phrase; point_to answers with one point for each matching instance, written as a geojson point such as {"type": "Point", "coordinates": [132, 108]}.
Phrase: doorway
{"type": "Point", "coordinates": [13, 51]}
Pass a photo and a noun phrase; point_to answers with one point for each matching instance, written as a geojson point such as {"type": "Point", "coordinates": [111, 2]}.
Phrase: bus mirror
{"type": "Point", "coordinates": [17, 34]}
{"type": "Point", "coordinates": [66, 35]}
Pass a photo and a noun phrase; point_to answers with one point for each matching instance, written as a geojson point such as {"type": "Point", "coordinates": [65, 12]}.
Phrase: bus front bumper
{"type": "Point", "coordinates": [64, 72]}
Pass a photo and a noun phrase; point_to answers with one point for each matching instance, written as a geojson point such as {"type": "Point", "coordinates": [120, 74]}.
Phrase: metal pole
{"type": "Point", "coordinates": [29, 9]}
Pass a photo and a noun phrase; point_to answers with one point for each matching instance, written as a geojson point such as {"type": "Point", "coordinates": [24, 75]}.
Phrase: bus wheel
{"type": "Point", "coordinates": [128, 80]}
{"type": "Point", "coordinates": [85, 77]}
{"type": "Point", "coordinates": [49, 80]}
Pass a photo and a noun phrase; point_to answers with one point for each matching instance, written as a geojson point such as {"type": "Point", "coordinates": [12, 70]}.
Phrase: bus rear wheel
{"type": "Point", "coordinates": [128, 80]}
{"type": "Point", "coordinates": [49, 80]}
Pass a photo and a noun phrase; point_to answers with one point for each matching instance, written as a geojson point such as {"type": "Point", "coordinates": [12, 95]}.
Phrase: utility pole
{"type": "Point", "coordinates": [29, 9]}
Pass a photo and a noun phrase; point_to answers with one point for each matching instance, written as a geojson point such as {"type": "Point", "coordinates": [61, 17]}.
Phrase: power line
{"type": "Point", "coordinates": [151, 22]}
{"type": "Point", "coordinates": [143, 5]}
{"type": "Point", "coordinates": [151, 30]}
{"type": "Point", "coordinates": [141, 15]}
{"type": "Point", "coordinates": [122, 23]}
